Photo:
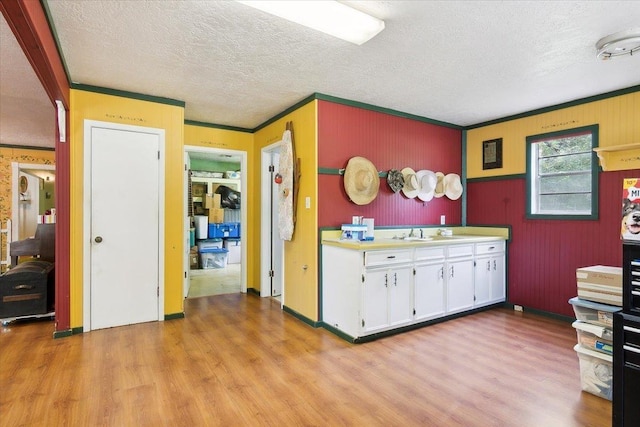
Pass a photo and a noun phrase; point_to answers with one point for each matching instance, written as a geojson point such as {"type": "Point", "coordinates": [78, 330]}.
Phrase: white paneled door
{"type": "Point", "coordinates": [124, 235]}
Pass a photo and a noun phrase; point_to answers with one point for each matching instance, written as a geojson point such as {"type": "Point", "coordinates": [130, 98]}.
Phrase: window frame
{"type": "Point", "coordinates": [595, 170]}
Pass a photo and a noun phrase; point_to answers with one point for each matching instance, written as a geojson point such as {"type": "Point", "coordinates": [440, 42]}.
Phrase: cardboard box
{"type": "Point", "coordinates": [198, 189]}
{"type": "Point", "coordinates": [216, 216]}
{"type": "Point", "coordinates": [600, 283]}
{"type": "Point", "coordinates": [212, 201]}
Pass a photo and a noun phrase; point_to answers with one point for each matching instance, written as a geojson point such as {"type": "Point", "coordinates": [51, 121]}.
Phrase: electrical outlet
{"type": "Point", "coordinates": [442, 220]}
{"type": "Point", "coordinates": [307, 202]}
{"type": "Point", "coordinates": [517, 307]}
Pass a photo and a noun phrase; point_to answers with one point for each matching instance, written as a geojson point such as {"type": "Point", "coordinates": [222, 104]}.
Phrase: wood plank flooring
{"type": "Point", "coordinates": [238, 360]}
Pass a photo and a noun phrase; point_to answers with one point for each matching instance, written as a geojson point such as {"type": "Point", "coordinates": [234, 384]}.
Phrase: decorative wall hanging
{"type": "Point", "coordinates": [492, 154]}
{"type": "Point", "coordinates": [289, 172]}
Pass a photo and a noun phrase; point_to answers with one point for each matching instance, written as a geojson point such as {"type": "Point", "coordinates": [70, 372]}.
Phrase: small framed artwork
{"type": "Point", "coordinates": [492, 154]}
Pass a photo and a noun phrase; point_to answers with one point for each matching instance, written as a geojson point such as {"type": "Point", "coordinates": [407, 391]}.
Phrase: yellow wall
{"type": "Point", "coordinates": [115, 109]}
{"type": "Point", "coordinates": [301, 253]}
{"type": "Point", "coordinates": [242, 141]}
{"type": "Point", "coordinates": [617, 117]}
{"type": "Point", "coordinates": [19, 155]}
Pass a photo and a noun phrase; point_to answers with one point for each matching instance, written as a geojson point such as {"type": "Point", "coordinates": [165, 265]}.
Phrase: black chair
{"type": "Point", "coordinates": [41, 246]}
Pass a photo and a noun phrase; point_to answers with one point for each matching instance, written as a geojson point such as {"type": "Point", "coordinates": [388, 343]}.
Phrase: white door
{"type": "Point", "coordinates": [272, 247]}
{"type": "Point", "coordinates": [125, 223]}
{"type": "Point", "coordinates": [277, 244]}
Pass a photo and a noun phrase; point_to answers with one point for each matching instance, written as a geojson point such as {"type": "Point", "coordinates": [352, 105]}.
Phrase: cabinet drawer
{"type": "Point", "coordinates": [459, 250]}
{"type": "Point", "coordinates": [489, 248]}
{"type": "Point", "coordinates": [430, 253]}
{"type": "Point", "coordinates": [375, 258]}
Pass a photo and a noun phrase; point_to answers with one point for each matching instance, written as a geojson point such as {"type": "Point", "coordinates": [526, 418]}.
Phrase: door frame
{"type": "Point", "coordinates": [266, 224]}
{"type": "Point", "coordinates": [244, 173]}
{"type": "Point", "coordinates": [86, 213]}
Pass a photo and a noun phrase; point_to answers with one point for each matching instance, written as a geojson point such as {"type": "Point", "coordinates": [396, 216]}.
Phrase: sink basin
{"type": "Point", "coordinates": [416, 239]}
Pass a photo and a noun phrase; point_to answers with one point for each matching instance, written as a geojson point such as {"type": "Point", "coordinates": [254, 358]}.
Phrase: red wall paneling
{"type": "Point", "coordinates": [389, 142]}
{"type": "Point", "coordinates": [544, 254]}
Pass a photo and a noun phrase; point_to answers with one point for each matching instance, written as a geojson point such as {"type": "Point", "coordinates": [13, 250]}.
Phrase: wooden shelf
{"type": "Point", "coordinates": [619, 157]}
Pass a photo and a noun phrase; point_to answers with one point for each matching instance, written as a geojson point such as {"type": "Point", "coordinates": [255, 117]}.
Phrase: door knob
{"type": "Point", "coordinates": [98, 239]}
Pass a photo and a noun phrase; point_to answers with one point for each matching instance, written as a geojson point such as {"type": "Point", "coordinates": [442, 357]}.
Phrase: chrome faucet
{"type": "Point", "coordinates": [411, 233]}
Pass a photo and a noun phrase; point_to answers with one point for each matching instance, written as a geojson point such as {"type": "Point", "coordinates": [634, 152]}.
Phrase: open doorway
{"type": "Point", "coordinates": [33, 198]}
{"type": "Point", "coordinates": [215, 221]}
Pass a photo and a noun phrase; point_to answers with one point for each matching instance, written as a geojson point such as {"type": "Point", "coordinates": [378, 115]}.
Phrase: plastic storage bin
{"type": "Point", "coordinates": [208, 244]}
{"type": "Point", "coordinates": [593, 312]}
{"type": "Point", "coordinates": [596, 371]}
{"type": "Point", "coordinates": [213, 258]}
{"type": "Point", "coordinates": [225, 229]}
{"type": "Point", "coordinates": [594, 337]}
{"type": "Point", "coordinates": [235, 250]}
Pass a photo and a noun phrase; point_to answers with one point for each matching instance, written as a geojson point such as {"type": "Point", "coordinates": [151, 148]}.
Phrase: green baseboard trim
{"type": "Point", "coordinates": [253, 291]}
{"type": "Point", "coordinates": [338, 332]}
{"type": "Point", "coordinates": [543, 313]}
{"type": "Point", "coordinates": [62, 334]}
{"type": "Point", "coordinates": [301, 317]}
{"type": "Point", "coordinates": [174, 316]}
{"type": "Point", "coordinates": [77, 330]}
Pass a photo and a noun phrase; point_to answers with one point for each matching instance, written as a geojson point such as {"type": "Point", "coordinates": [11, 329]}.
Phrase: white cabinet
{"type": "Point", "coordinates": [386, 298]}
{"type": "Point", "coordinates": [429, 283]}
{"type": "Point", "coordinates": [459, 278]}
{"type": "Point", "coordinates": [489, 274]}
{"type": "Point", "coordinates": [365, 292]}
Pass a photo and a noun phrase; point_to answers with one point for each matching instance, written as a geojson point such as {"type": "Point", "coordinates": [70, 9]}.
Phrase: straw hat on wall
{"type": "Point", "coordinates": [361, 181]}
{"type": "Point", "coordinates": [452, 186]}
{"type": "Point", "coordinates": [411, 185]}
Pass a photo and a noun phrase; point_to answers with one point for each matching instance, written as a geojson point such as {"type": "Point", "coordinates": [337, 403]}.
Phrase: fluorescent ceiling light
{"type": "Point", "coordinates": [330, 17]}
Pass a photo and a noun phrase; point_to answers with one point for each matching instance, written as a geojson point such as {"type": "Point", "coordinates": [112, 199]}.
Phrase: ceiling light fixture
{"type": "Point", "coordinates": [330, 17]}
{"type": "Point", "coordinates": [619, 44]}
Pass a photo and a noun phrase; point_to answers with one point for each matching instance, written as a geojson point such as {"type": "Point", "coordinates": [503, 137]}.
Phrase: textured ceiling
{"type": "Point", "coordinates": [461, 62]}
{"type": "Point", "coordinates": [27, 117]}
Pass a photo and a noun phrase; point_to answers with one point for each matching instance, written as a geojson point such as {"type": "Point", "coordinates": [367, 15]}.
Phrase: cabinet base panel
{"type": "Point", "coordinates": [373, 337]}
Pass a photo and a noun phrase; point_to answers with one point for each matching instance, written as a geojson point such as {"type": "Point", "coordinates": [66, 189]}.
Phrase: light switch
{"type": "Point", "coordinates": [442, 219]}
{"type": "Point", "coordinates": [307, 202]}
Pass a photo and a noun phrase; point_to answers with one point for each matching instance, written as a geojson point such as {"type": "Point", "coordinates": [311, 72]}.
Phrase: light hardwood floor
{"type": "Point", "coordinates": [238, 360]}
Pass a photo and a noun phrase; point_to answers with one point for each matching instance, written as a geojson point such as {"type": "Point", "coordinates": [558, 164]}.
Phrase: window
{"type": "Point", "coordinates": [562, 174]}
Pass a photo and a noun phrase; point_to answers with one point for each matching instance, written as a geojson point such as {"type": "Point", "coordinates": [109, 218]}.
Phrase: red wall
{"type": "Point", "coordinates": [544, 254]}
{"type": "Point", "coordinates": [389, 142]}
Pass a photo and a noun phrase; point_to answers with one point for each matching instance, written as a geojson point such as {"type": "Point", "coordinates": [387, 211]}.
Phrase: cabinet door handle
{"type": "Point", "coordinates": [386, 280]}
{"type": "Point", "coordinates": [395, 279]}
{"type": "Point", "coordinates": [391, 257]}
{"type": "Point", "coordinates": [442, 272]}
{"type": "Point", "coordinates": [494, 265]}
{"type": "Point", "coordinates": [451, 272]}
{"type": "Point", "coordinates": [23, 287]}
{"type": "Point", "coordinates": [488, 265]}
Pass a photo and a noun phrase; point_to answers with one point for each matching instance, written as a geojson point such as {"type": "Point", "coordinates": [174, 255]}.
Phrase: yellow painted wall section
{"type": "Point", "coordinates": [109, 108]}
{"type": "Point", "coordinates": [617, 117]}
{"type": "Point", "coordinates": [202, 136]}
{"type": "Point", "coordinates": [301, 253]}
